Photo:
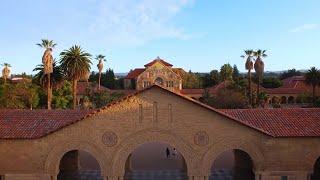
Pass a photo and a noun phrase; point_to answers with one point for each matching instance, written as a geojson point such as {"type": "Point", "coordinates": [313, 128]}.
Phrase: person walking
{"type": "Point", "coordinates": [168, 153]}
{"type": "Point", "coordinates": [175, 153]}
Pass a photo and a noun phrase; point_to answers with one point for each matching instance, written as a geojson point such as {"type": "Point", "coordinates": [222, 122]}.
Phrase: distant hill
{"type": "Point", "coordinates": [120, 75]}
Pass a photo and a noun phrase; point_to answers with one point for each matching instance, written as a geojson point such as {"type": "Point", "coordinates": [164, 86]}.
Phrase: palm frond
{"type": "Point", "coordinates": [75, 62]}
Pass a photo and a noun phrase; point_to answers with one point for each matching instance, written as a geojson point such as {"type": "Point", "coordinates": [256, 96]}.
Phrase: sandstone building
{"type": "Point", "coordinates": [276, 144]}
{"type": "Point", "coordinates": [157, 72]}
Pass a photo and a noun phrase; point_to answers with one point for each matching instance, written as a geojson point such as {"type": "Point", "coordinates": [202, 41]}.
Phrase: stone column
{"type": "Point", "coordinates": [303, 175]}
{"type": "Point", "coordinates": [54, 177]}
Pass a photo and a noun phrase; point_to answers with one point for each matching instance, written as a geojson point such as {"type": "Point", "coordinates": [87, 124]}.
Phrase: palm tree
{"type": "Point", "coordinates": [47, 61]}
{"type": "Point", "coordinates": [100, 58]}
{"type": "Point", "coordinates": [248, 56]}
{"type": "Point", "coordinates": [6, 71]}
{"type": "Point", "coordinates": [75, 64]}
{"type": "Point", "coordinates": [56, 77]}
{"type": "Point", "coordinates": [259, 67]}
{"type": "Point", "coordinates": [313, 79]}
{"type": "Point", "coordinates": [46, 44]}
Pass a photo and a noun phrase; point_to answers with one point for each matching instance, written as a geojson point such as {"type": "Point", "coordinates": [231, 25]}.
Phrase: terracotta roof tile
{"type": "Point", "coordinates": [282, 90]}
{"type": "Point", "coordinates": [135, 73]}
{"type": "Point", "coordinates": [295, 122]}
{"type": "Point", "coordinates": [31, 124]}
{"type": "Point", "coordinates": [158, 60]}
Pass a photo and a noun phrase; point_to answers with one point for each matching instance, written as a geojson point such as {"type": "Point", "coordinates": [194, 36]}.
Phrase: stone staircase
{"type": "Point", "coordinates": [156, 175]}
{"type": "Point", "coordinates": [80, 175]}
{"type": "Point", "coordinates": [221, 174]}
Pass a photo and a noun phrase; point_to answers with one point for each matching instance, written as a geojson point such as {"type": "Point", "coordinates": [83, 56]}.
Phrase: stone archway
{"type": "Point", "coordinates": [284, 100]}
{"type": "Point", "coordinates": [77, 164]}
{"type": "Point", "coordinates": [233, 164]}
{"type": "Point", "coordinates": [291, 100]}
{"type": "Point", "coordinates": [60, 149]}
{"type": "Point", "coordinates": [315, 175]}
{"type": "Point", "coordinates": [228, 144]}
{"type": "Point", "coordinates": [147, 136]}
{"type": "Point", "coordinates": [156, 160]}
{"type": "Point", "coordinates": [159, 81]}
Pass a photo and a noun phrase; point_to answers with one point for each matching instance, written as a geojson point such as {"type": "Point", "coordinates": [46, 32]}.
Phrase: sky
{"type": "Point", "coordinates": [197, 35]}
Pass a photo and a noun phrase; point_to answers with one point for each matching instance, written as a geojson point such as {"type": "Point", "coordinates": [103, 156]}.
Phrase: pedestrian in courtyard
{"type": "Point", "coordinates": [175, 153]}
{"type": "Point", "coordinates": [168, 153]}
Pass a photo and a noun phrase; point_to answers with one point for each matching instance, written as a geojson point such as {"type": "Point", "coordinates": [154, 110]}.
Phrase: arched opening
{"type": "Point", "coordinates": [283, 100]}
{"type": "Point", "coordinates": [232, 164]}
{"type": "Point", "coordinates": [274, 100]}
{"type": "Point", "coordinates": [316, 170]}
{"type": "Point", "coordinates": [291, 100]}
{"type": "Point", "coordinates": [76, 164]}
{"type": "Point", "coordinates": [159, 81]}
{"type": "Point", "coordinates": [155, 160]}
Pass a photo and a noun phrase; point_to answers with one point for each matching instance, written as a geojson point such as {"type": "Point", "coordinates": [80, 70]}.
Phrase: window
{"type": "Point", "coordinates": [169, 83]}
{"type": "Point", "coordinates": [146, 84]}
{"type": "Point", "coordinates": [159, 81]}
{"type": "Point", "coordinates": [284, 177]}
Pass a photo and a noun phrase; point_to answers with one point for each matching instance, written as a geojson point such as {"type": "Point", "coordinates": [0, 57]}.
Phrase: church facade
{"type": "Point", "coordinates": [157, 72]}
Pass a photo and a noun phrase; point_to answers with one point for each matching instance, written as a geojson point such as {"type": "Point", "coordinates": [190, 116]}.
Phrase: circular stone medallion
{"type": "Point", "coordinates": [201, 138]}
{"type": "Point", "coordinates": [109, 139]}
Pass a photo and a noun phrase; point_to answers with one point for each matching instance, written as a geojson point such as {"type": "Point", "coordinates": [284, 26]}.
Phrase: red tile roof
{"type": "Point", "coordinates": [135, 73]}
{"type": "Point", "coordinates": [281, 90]}
{"type": "Point", "coordinates": [31, 124]}
{"type": "Point", "coordinates": [158, 60]}
{"type": "Point", "coordinates": [292, 82]}
{"type": "Point", "coordinates": [27, 124]}
{"type": "Point", "coordinates": [295, 122]}
{"type": "Point", "coordinates": [291, 85]}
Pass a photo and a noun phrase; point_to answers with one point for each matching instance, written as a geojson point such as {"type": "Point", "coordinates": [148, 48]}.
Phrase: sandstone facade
{"type": "Point", "coordinates": [198, 133]}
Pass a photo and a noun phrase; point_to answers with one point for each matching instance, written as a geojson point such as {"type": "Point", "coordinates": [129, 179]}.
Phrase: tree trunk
{"type": "Point", "coordinates": [99, 80]}
{"type": "Point", "coordinates": [313, 95]}
{"type": "Point", "coordinates": [250, 92]}
{"type": "Point", "coordinates": [258, 90]}
{"type": "Point", "coordinates": [49, 92]}
{"type": "Point", "coordinates": [5, 80]}
{"type": "Point", "coordinates": [74, 93]}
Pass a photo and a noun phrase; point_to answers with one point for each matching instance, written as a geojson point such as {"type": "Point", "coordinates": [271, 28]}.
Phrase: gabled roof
{"type": "Point", "coordinates": [135, 73]}
{"type": "Point", "coordinates": [32, 124]}
{"type": "Point", "coordinates": [292, 82]}
{"type": "Point", "coordinates": [158, 60]}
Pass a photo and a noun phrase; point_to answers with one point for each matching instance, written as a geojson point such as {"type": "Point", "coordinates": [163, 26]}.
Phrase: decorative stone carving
{"type": "Point", "coordinates": [201, 138]}
{"type": "Point", "coordinates": [110, 138]}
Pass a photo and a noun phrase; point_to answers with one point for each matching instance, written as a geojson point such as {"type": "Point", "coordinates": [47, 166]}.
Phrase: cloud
{"type": "Point", "coordinates": [136, 22]}
{"type": "Point", "coordinates": [304, 27]}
